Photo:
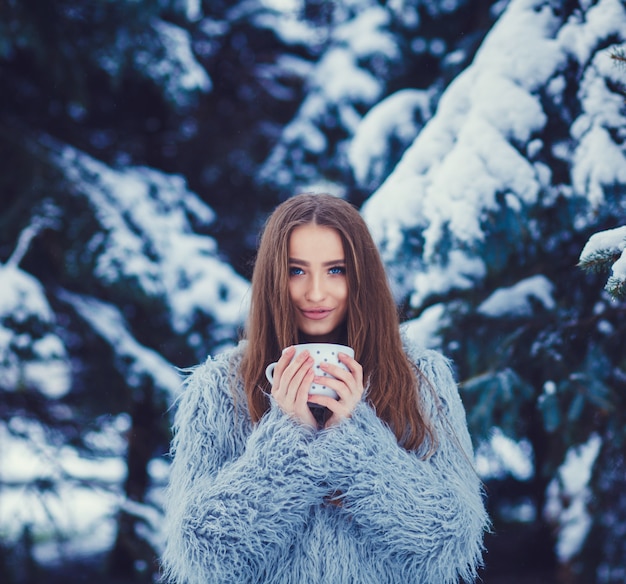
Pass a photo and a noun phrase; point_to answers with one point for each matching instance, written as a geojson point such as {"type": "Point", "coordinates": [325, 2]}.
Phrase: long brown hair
{"type": "Point", "coordinates": [392, 381]}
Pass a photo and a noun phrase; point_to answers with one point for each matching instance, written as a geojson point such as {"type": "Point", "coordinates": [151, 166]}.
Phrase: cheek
{"type": "Point", "coordinates": [293, 290]}
{"type": "Point", "coordinates": [341, 295]}
{"type": "Point", "coordinates": [342, 291]}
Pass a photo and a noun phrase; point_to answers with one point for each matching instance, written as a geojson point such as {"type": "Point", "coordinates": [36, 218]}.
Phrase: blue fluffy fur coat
{"type": "Point", "coordinates": [248, 503]}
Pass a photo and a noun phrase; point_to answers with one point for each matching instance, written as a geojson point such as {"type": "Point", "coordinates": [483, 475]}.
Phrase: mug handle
{"type": "Point", "coordinates": [269, 372]}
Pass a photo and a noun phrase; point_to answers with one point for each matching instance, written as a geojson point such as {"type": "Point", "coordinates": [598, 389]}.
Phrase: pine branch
{"type": "Point", "coordinates": [40, 221]}
{"type": "Point", "coordinates": [602, 253]}
{"type": "Point", "coordinates": [600, 261]}
{"type": "Point", "coordinates": [616, 287]}
{"type": "Point", "coordinates": [619, 58]}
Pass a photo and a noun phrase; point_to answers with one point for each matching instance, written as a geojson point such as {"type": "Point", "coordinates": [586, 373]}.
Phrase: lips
{"type": "Point", "coordinates": [316, 313]}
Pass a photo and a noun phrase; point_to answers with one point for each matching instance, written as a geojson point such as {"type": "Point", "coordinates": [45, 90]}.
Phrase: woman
{"type": "Point", "coordinates": [380, 490]}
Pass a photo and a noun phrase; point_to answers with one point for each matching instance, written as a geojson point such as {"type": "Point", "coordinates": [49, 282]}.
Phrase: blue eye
{"type": "Point", "coordinates": [337, 270]}
{"type": "Point", "coordinates": [295, 271]}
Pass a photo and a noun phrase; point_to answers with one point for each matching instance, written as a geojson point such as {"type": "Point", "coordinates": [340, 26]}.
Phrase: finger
{"type": "Point", "coordinates": [292, 396]}
{"type": "Point", "coordinates": [323, 400]}
{"type": "Point", "coordinates": [302, 392]}
{"type": "Point", "coordinates": [342, 381]}
{"type": "Point", "coordinates": [353, 365]}
{"type": "Point", "coordinates": [355, 370]}
{"type": "Point", "coordinates": [298, 400]}
{"type": "Point", "coordinates": [303, 376]}
{"type": "Point", "coordinates": [295, 375]}
{"type": "Point", "coordinates": [283, 362]}
{"type": "Point", "coordinates": [337, 409]}
{"type": "Point", "coordinates": [340, 387]}
{"type": "Point", "coordinates": [337, 372]}
{"type": "Point", "coordinates": [286, 367]}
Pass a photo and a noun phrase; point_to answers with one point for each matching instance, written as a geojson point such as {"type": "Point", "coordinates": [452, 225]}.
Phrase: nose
{"type": "Point", "coordinates": [315, 291]}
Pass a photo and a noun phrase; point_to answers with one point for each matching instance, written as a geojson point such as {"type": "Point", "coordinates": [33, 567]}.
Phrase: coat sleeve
{"type": "Point", "coordinates": [236, 498]}
{"type": "Point", "coordinates": [425, 516]}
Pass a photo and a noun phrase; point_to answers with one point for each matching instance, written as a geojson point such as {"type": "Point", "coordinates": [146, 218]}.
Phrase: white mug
{"type": "Point", "coordinates": [321, 353]}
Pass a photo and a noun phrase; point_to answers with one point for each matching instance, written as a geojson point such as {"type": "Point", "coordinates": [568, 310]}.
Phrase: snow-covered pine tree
{"type": "Point", "coordinates": [108, 277]}
{"type": "Point", "coordinates": [605, 251]}
{"type": "Point", "coordinates": [528, 142]}
{"type": "Point", "coordinates": [481, 224]}
{"type": "Point", "coordinates": [369, 52]}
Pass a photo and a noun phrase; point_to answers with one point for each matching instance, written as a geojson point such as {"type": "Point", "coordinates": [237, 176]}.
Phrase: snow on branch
{"type": "Point", "coordinates": [607, 250]}
{"type": "Point", "coordinates": [32, 355]}
{"type": "Point", "coordinates": [147, 239]}
{"type": "Point", "coordinates": [178, 70]}
{"type": "Point", "coordinates": [485, 161]}
{"type": "Point", "coordinates": [136, 362]}
{"type": "Point", "coordinates": [33, 229]}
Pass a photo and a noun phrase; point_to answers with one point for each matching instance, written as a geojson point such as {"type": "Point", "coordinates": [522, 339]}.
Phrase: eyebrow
{"type": "Point", "coordinates": [305, 263]}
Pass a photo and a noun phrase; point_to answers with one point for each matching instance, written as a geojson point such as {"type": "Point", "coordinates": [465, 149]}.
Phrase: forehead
{"type": "Point", "coordinates": [313, 242]}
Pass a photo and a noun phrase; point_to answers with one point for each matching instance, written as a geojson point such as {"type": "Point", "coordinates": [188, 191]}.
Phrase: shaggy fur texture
{"type": "Point", "coordinates": [252, 504]}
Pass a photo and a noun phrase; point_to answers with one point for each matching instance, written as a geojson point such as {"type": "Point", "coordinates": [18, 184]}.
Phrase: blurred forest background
{"type": "Point", "coordinates": [142, 145]}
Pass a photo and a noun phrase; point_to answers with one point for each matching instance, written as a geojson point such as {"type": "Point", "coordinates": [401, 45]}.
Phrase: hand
{"type": "Point", "coordinates": [292, 382]}
{"type": "Point", "coordinates": [347, 384]}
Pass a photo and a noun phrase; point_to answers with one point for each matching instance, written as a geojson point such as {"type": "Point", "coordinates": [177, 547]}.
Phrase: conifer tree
{"type": "Point", "coordinates": [482, 223]}
{"type": "Point", "coordinates": [96, 303]}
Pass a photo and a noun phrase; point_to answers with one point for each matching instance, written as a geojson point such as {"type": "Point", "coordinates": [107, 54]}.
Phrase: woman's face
{"type": "Point", "coordinates": [318, 287]}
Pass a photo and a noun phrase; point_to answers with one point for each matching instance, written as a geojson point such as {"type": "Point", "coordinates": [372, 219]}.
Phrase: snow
{"type": "Point", "coordinates": [81, 502]}
{"type": "Point", "coordinates": [283, 5]}
{"type": "Point", "coordinates": [462, 271]}
{"type": "Point", "coordinates": [619, 267]}
{"type": "Point", "coordinates": [500, 456]}
{"type": "Point", "coordinates": [467, 154]}
{"type": "Point", "coordinates": [517, 300]}
{"type": "Point", "coordinates": [398, 117]}
{"type": "Point", "coordinates": [22, 296]}
{"type": "Point", "coordinates": [598, 163]}
{"type": "Point", "coordinates": [608, 245]}
{"type": "Point", "coordinates": [337, 76]}
{"type": "Point", "coordinates": [32, 453]}
{"type": "Point", "coordinates": [140, 362]}
{"type": "Point", "coordinates": [568, 496]}
{"type": "Point", "coordinates": [76, 514]}
{"type": "Point", "coordinates": [521, 46]}
{"type": "Point", "coordinates": [192, 10]}
{"type": "Point", "coordinates": [423, 331]}
{"type": "Point", "coordinates": [28, 359]}
{"type": "Point", "coordinates": [149, 241]}
{"type": "Point", "coordinates": [579, 37]}
{"type": "Point", "coordinates": [480, 152]}
{"type": "Point", "coordinates": [610, 241]}
{"type": "Point", "coordinates": [339, 87]}
{"type": "Point", "coordinates": [288, 27]}
{"type": "Point", "coordinates": [365, 34]}
{"type": "Point", "coordinates": [38, 223]}
{"type": "Point", "coordinates": [475, 154]}
{"type": "Point", "coordinates": [148, 237]}
{"type": "Point", "coordinates": [110, 436]}
{"type": "Point", "coordinates": [84, 513]}
{"type": "Point", "coordinates": [177, 72]}
{"type": "Point", "coordinates": [272, 75]}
